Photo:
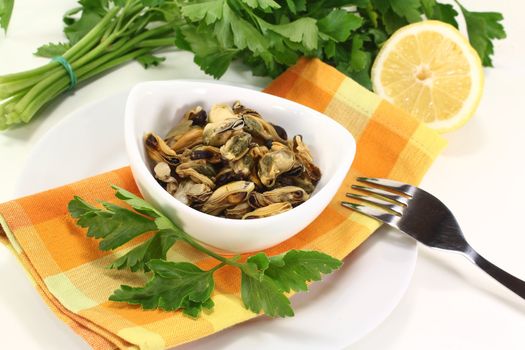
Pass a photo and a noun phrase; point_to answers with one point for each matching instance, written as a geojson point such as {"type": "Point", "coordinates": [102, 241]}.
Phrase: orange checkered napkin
{"type": "Point", "coordinates": [70, 271]}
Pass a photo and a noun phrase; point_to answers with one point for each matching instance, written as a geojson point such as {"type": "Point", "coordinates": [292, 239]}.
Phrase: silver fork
{"type": "Point", "coordinates": [425, 218]}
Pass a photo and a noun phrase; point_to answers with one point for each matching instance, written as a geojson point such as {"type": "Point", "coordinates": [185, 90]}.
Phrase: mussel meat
{"type": "Point", "coordinates": [260, 128]}
{"type": "Point", "coordinates": [240, 109]}
{"type": "Point", "coordinates": [188, 140]}
{"type": "Point", "coordinates": [198, 116]}
{"type": "Point", "coordinates": [244, 166]}
{"type": "Point", "coordinates": [163, 172]}
{"type": "Point", "coordinates": [221, 112]}
{"type": "Point", "coordinates": [189, 192]}
{"type": "Point", "coordinates": [193, 119]}
{"type": "Point", "coordinates": [291, 194]}
{"type": "Point", "coordinates": [237, 211]}
{"type": "Point", "coordinates": [237, 146]}
{"type": "Point", "coordinates": [217, 134]}
{"type": "Point", "coordinates": [228, 196]}
{"type": "Point", "coordinates": [159, 151]}
{"type": "Point", "coordinates": [269, 210]}
{"type": "Point", "coordinates": [304, 155]}
{"type": "Point", "coordinates": [198, 171]}
{"type": "Point", "coordinates": [226, 175]}
{"type": "Point", "coordinates": [302, 181]}
{"type": "Point", "coordinates": [257, 151]}
{"type": "Point", "coordinates": [209, 153]}
{"type": "Point", "coordinates": [274, 163]}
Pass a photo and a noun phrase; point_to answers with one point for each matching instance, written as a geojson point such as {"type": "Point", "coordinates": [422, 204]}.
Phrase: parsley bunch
{"type": "Point", "coordinates": [270, 36]}
{"type": "Point", "coordinates": [101, 35]}
{"type": "Point", "coordinates": [267, 35]}
{"type": "Point", "coordinates": [185, 286]}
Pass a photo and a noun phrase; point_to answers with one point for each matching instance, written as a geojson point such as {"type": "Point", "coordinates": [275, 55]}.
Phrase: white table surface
{"type": "Point", "coordinates": [450, 304]}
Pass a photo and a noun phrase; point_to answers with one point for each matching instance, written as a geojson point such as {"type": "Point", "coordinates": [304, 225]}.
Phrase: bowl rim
{"type": "Point", "coordinates": [134, 156]}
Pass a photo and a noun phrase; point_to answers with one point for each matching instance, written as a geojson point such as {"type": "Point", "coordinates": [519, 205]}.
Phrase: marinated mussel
{"type": "Point", "coordinates": [290, 194]}
{"type": "Point", "coordinates": [217, 134]}
{"type": "Point", "coordinates": [273, 164]}
{"type": "Point", "coordinates": [269, 210]}
{"type": "Point", "coordinates": [237, 146]}
{"type": "Point", "coordinates": [158, 151]}
{"type": "Point", "coordinates": [228, 196]}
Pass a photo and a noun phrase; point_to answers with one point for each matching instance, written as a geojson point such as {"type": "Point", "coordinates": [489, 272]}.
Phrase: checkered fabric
{"type": "Point", "coordinates": [70, 271]}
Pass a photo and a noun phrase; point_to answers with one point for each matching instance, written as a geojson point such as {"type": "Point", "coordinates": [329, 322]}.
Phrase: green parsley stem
{"type": "Point", "coordinates": [9, 88]}
{"type": "Point", "coordinates": [169, 41]}
{"type": "Point", "coordinates": [215, 268]}
{"type": "Point", "coordinates": [96, 61]}
{"type": "Point", "coordinates": [27, 111]}
{"type": "Point", "coordinates": [93, 34]}
{"type": "Point", "coordinates": [80, 46]}
{"type": "Point", "coordinates": [115, 62]}
{"type": "Point", "coordinates": [228, 261]}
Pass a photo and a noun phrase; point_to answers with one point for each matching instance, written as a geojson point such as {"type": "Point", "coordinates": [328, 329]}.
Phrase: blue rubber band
{"type": "Point", "coordinates": [72, 76]}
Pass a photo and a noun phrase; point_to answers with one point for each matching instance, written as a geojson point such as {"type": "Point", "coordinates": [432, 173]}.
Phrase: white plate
{"type": "Point", "coordinates": [335, 313]}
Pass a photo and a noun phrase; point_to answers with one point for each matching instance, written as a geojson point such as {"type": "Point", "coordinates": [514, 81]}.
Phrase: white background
{"type": "Point", "coordinates": [450, 304]}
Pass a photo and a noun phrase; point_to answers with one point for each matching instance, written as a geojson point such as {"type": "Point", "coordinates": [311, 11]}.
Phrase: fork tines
{"type": "Point", "coordinates": [388, 202]}
{"type": "Point", "coordinates": [396, 186]}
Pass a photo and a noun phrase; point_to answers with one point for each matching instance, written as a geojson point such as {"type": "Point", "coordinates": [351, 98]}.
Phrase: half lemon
{"type": "Point", "coordinates": [430, 70]}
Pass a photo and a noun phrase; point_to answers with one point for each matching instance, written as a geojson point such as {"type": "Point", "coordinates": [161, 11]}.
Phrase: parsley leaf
{"type": "Point", "coordinates": [98, 6]}
{"type": "Point", "coordinates": [115, 225]}
{"type": "Point", "coordinates": [260, 292]}
{"type": "Point", "coordinates": [211, 57]}
{"type": "Point", "coordinates": [359, 58]}
{"type": "Point", "coordinates": [393, 21]}
{"type": "Point", "coordinates": [68, 17]}
{"type": "Point", "coordinates": [215, 63]}
{"type": "Point", "coordinates": [293, 269]}
{"type": "Point", "coordinates": [245, 35]}
{"type": "Point", "coordinates": [264, 280]}
{"type": "Point", "coordinates": [154, 248]}
{"type": "Point", "coordinates": [6, 9]}
{"type": "Point", "coordinates": [483, 28]}
{"type": "Point", "coordinates": [136, 202]}
{"type": "Point", "coordinates": [223, 34]}
{"type": "Point", "coordinates": [445, 13]}
{"type": "Point", "coordinates": [174, 285]}
{"type": "Point", "coordinates": [338, 24]}
{"type": "Point", "coordinates": [79, 28]}
{"type": "Point", "coordinates": [145, 208]}
{"type": "Point", "coordinates": [149, 60]}
{"type": "Point", "coordinates": [262, 4]}
{"type": "Point", "coordinates": [408, 9]}
{"type": "Point", "coordinates": [152, 3]}
{"type": "Point", "coordinates": [263, 294]}
{"type": "Point", "coordinates": [94, 219]}
{"type": "Point", "coordinates": [52, 49]}
{"type": "Point", "coordinates": [303, 30]}
{"type": "Point", "coordinates": [210, 11]}
{"type": "Point", "coordinates": [381, 5]}
{"type": "Point", "coordinates": [296, 6]}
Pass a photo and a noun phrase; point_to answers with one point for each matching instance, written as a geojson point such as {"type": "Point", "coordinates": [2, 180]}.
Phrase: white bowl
{"type": "Point", "coordinates": [158, 105]}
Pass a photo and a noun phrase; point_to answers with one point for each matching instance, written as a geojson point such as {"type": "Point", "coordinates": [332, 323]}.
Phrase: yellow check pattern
{"type": "Point", "coordinates": [70, 271]}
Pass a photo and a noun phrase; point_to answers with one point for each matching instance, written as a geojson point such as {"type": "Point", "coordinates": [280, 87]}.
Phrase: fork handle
{"type": "Point", "coordinates": [513, 283]}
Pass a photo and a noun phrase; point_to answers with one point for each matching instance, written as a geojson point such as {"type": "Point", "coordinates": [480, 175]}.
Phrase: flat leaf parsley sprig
{"type": "Point", "coordinates": [183, 285]}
